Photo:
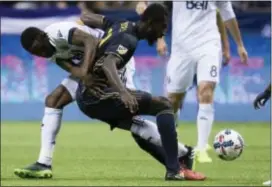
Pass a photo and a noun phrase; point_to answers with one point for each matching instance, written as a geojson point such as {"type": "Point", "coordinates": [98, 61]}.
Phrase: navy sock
{"type": "Point", "coordinates": [167, 130]}
{"type": "Point", "coordinates": [156, 151]}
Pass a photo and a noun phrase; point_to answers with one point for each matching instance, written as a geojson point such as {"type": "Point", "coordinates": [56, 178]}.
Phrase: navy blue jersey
{"type": "Point", "coordinates": [119, 39]}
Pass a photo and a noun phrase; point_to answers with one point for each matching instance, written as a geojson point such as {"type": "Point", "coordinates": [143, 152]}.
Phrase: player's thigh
{"type": "Point", "coordinates": [150, 105]}
{"type": "Point", "coordinates": [110, 109]}
{"type": "Point", "coordinates": [58, 98]}
{"type": "Point", "coordinates": [180, 73]}
{"type": "Point", "coordinates": [208, 67]}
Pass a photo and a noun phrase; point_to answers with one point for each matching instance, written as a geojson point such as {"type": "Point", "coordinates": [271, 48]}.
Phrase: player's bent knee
{"type": "Point", "coordinates": [50, 101]}
{"type": "Point", "coordinates": [206, 92]}
{"type": "Point", "coordinates": [165, 103]}
{"type": "Point", "coordinates": [176, 99]}
{"type": "Point", "coordinates": [59, 98]}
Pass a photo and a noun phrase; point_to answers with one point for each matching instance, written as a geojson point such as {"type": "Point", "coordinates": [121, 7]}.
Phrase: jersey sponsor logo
{"type": "Point", "coordinates": [197, 5]}
{"type": "Point", "coordinates": [122, 50]}
{"type": "Point", "coordinates": [123, 27]}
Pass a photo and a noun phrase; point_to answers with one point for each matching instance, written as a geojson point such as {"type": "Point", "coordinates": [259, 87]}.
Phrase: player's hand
{"type": "Point", "coordinates": [129, 101]}
{"type": "Point", "coordinates": [226, 56]}
{"type": "Point", "coordinates": [161, 47]}
{"type": "Point", "coordinates": [243, 54]}
{"type": "Point", "coordinates": [261, 99]}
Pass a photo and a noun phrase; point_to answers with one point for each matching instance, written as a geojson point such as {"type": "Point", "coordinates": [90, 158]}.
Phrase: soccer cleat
{"type": "Point", "coordinates": [192, 175]}
{"type": "Point", "coordinates": [187, 161]}
{"type": "Point", "coordinates": [35, 170]}
{"type": "Point", "coordinates": [169, 176]}
{"type": "Point", "coordinates": [208, 147]}
{"type": "Point", "coordinates": [267, 183]}
{"type": "Point", "coordinates": [202, 156]}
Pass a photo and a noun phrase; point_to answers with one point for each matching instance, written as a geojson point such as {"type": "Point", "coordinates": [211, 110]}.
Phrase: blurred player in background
{"type": "Point", "coordinates": [196, 51]}
{"type": "Point", "coordinates": [65, 43]}
{"type": "Point", "coordinates": [260, 101]}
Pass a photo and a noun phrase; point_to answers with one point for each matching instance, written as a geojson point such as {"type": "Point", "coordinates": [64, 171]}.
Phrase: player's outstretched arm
{"type": "Point", "coordinates": [224, 37]}
{"type": "Point", "coordinates": [69, 67]}
{"type": "Point", "coordinates": [231, 23]}
{"type": "Point", "coordinates": [109, 67]}
{"type": "Point", "coordinates": [90, 43]}
{"type": "Point", "coordinates": [76, 72]}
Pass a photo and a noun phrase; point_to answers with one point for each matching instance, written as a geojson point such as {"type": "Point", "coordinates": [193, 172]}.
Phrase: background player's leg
{"type": "Point", "coordinates": [205, 118]}
{"type": "Point", "coordinates": [208, 69]}
{"type": "Point", "coordinates": [180, 75]}
{"type": "Point", "coordinates": [177, 102]}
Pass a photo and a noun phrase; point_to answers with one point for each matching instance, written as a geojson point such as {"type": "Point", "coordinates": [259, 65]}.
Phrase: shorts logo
{"type": "Point", "coordinates": [122, 50]}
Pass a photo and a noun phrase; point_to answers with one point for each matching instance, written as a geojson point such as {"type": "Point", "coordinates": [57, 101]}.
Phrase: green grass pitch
{"type": "Point", "coordinates": [90, 154]}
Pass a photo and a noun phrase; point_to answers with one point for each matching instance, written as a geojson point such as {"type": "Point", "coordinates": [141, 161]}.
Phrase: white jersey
{"type": "Point", "coordinates": [60, 33]}
{"type": "Point", "coordinates": [60, 36]}
{"type": "Point", "coordinates": [194, 22]}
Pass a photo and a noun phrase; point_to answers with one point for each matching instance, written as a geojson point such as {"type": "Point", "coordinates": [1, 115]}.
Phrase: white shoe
{"type": "Point", "coordinates": [208, 147]}
{"type": "Point", "coordinates": [201, 156]}
{"type": "Point", "coordinates": [267, 183]}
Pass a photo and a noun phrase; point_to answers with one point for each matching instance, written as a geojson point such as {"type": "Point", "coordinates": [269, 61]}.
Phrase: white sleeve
{"type": "Point", "coordinates": [66, 33]}
{"type": "Point", "coordinates": [61, 32]}
{"type": "Point", "coordinates": [226, 10]}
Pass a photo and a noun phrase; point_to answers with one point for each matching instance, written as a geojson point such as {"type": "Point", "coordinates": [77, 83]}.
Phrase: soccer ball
{"type": "Point", "coordinates": [228, 144]}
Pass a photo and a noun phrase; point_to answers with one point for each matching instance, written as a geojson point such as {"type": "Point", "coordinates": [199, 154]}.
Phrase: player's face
{"type": "Point", "coordinates": [42, 47]}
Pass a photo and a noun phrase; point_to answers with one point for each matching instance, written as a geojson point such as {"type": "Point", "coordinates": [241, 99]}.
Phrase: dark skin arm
{"type": "Point", "coordinates": [110, 70]}
{"type": "Point", "coordinates": [92, 20]}
{"type": "Point", "coordinates": [90, 44]}
{"type": "Point", "coordinates": [69, 67]}
{"type": "Point", "coordinates": [76, 72]}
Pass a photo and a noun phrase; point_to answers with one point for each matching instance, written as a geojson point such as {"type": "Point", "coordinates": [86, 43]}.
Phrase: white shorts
{"type": "Point", "coordinates": [71, 83]}
{"type": "Point", "coordinates": [182, 67]}
{"type": "Point", "coordinates": [130, 73]}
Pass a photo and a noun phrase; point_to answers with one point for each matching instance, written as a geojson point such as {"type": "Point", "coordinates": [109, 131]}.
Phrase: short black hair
{"type": "Point", "coordinates": [155, 12]}
{"type": "Point", "coordinates": [28, 36]}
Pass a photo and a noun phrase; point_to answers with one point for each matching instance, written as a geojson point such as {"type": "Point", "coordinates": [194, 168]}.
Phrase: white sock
{"type": "Point", "coordinates": [50, 127]}
{"type": "Point", "coordinates": [205, 119]}
{"type": "Point", "coordinates": [149, 131]}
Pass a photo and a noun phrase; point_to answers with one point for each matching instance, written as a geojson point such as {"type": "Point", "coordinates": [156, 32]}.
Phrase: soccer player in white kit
{"type": "Point", "coordinates": [59, 35]}
{"type": "Point", "coordinates": [196, 51]}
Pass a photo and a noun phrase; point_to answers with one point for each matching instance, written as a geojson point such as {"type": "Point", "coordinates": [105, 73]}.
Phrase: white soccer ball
{"type": "Point", "coordinates": [228, 144]}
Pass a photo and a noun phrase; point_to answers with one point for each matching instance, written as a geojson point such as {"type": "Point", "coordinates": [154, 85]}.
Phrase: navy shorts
{"type": "Point", "coordinates": [112, 110]}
